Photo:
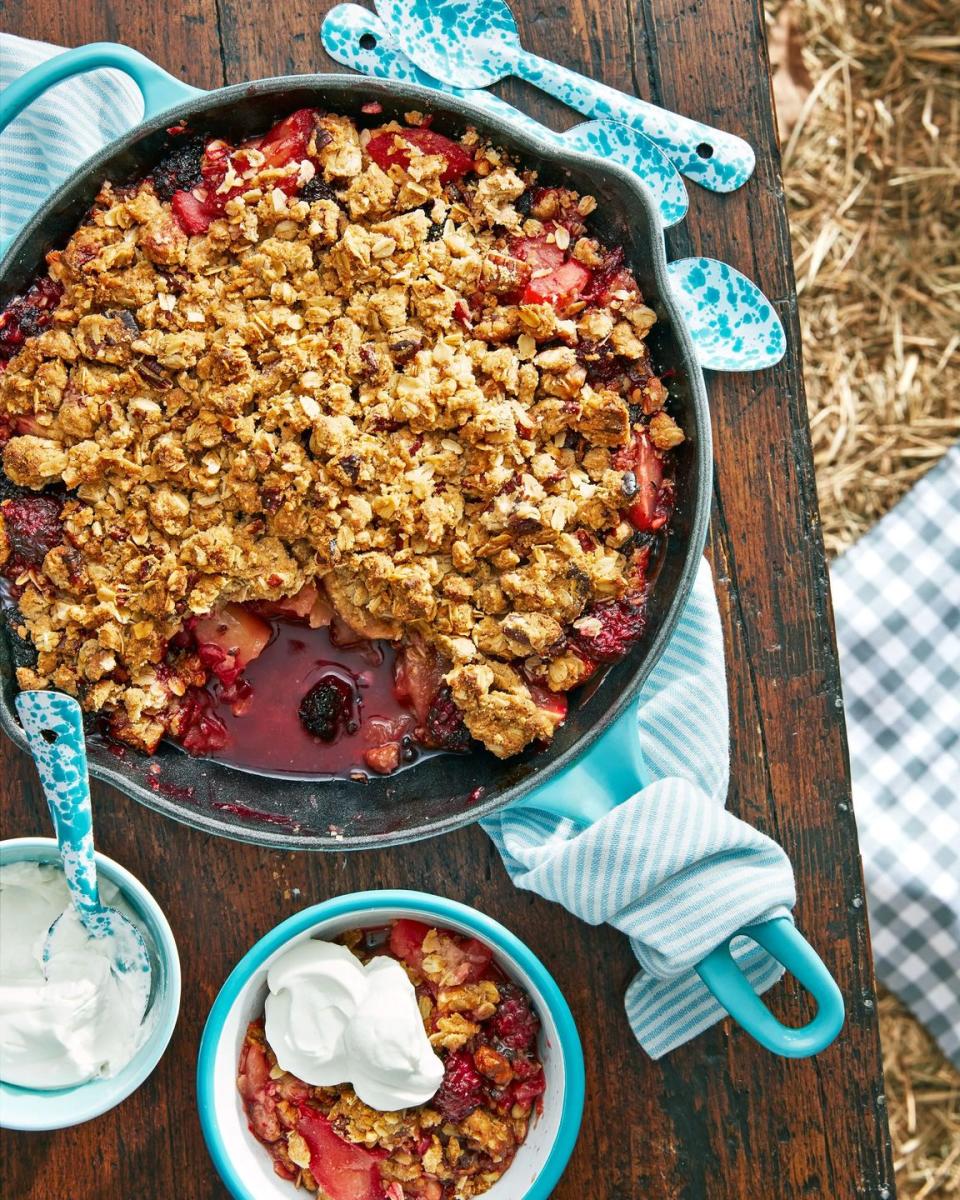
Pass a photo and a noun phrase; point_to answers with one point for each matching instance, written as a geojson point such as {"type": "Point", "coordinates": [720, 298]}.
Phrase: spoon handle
{"type": "Point", "coordinates": [718, 161]}
{"type": "Point", "coordinates": [53, 724]}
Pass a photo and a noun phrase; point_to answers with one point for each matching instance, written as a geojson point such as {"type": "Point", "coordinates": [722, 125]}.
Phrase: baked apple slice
{"type": "Point", "coordinates": [236, 631]}
{"type": "Point", "coordinates": [344, 1170]}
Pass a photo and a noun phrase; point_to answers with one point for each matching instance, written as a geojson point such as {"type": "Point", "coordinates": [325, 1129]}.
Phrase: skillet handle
{"type": "Point", "coordinates": [610, 771]}
{"type": "Point", "coordinates": [613, 769]}
{"type": "Point", "coordinates": [781, 939]}
{"type": "Point", "coordinates": [159, 89]}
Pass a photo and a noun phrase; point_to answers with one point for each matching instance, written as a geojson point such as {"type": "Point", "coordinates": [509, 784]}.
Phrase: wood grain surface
{"type": "Point", "coordinates": [720, 1118]}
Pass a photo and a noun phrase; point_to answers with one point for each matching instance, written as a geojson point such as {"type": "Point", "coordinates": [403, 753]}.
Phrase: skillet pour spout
{"type": "Point", "coordinates": [446, 791]}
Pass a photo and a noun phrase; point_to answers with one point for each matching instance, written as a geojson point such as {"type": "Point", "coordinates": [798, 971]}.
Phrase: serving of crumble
{"type": "Point", "coordinates": [353, 379]}
{"type": "Point", "coordinates": [457, 1145]}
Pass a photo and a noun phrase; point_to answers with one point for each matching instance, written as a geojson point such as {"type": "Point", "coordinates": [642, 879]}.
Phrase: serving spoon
{"type": "Point", "coordinates": [53, 724]}
{"type": "Point", "coordinates": [357, 38]}
{"type": "Point", "coordinates": [475, 43]}
{"type": "Point", "coordinates": [733, 325]}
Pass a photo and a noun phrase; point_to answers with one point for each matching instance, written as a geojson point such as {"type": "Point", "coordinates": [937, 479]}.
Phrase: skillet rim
{"type": "Point", "coordinates": [461, 108]}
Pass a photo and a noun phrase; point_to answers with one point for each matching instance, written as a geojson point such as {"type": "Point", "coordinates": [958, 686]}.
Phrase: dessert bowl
{"type": "Point", "coordinates": [36, 1109]}
{"type": "Point", "coordinates": [446, 791]}
{"type": "Point", "coordinates": [242, 1161]}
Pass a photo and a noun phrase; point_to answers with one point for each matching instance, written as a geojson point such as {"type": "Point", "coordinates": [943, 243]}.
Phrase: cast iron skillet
{"type": "Point", "coordinates": [439, 793]}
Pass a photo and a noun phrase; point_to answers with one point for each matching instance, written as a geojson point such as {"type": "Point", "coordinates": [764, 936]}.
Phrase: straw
{"type": "Point", "coordinates": [872, 178]}
{"type": "Point", "coordinates": [868, 97]}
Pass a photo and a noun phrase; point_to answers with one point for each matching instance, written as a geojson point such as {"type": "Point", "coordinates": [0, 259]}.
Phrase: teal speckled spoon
{"type": "Point", "coordinates": [53, 724]}
{"type": "Point", "coordinates": [475, 43]}
{"type": "Point", "coordinates": [357, 38]}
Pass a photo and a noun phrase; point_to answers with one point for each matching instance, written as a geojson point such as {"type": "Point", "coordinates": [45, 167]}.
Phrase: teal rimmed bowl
{"type": "Point", "coordinates": [36, 1109]}
{"type": "Point", "coordinates": [245, 1165]}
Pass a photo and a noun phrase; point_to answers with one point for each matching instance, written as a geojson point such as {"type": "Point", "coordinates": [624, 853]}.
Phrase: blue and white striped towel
{"type": "Point", "coordinates": [669, 867]}
{"type": "Point", "coordinates": [57, 132]}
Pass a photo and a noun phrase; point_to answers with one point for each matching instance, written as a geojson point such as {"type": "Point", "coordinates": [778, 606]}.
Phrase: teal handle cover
{"type": "Point", "coordinates": [613, 770]}
{"type": "Point", "coordinates": [159, 89]}
{"type": "Point", "coordinates": [780, 938]}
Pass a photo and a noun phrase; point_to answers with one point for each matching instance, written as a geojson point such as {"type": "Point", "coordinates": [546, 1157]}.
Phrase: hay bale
{"type": "Point", "coordinates": [923, 1100]}
{"type": "Point", "coordinates": [869, 105]}
{"type": "Point", "coordinates": [872, 177]}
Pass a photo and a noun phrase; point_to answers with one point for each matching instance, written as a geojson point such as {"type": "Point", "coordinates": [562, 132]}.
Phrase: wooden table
{"type": "Point", "coordinates": [720, 1118]}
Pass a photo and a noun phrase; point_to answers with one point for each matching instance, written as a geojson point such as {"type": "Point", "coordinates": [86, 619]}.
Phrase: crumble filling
{"type": "Point", "coordinates": [373, 377]}
{"type": "Point", "coordinates": [484, 1029]}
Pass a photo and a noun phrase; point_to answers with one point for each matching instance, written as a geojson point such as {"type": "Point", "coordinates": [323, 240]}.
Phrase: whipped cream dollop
{"type": "Point", "coordinates": [82, 1020]}
{"type": "Point", "coordinates": [331, 1019]}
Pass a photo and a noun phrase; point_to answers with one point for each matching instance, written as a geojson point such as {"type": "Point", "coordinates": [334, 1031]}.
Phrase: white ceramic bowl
{"type": "Point", "coordinates": [246, 1166]}
{"type": "Point", "coordinates": [35, 1109]}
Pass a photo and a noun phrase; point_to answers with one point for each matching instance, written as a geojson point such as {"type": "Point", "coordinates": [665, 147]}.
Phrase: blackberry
{"type": "Point", "coordinates": [326, 709]}
{"type": "Point", "coordinates": [607, 631]}
{"type": "Point", "coordinates": [445, 729]}
{"type": "Point", "coordinates": [461, 1090]}
{"type": "Point", "coordinates": [179, 171]}
{"type": "Point", "coordinates": [27, 315]}
{"type": "Point", "coordinates": [33, 527]}
{"type": "Point", "coordinates": [319, 189]}
{"type": "Point", "coordinates": [514, 1024]}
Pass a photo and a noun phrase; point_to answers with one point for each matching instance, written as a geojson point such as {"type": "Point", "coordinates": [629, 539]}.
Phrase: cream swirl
{"type": "Point", "coordinates": [331, 1019]}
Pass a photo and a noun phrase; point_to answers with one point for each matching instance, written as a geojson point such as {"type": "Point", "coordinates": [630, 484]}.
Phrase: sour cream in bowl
{"type": "Point", "coordinates": [71, 1043]}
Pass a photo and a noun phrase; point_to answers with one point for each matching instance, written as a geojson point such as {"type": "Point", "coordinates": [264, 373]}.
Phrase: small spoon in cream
{"type": "Point", "coordinates": [53, 724]}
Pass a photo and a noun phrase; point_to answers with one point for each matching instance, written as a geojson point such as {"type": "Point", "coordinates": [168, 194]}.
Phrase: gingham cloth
{"type": "Point", "coordinates": [896, 595]}
{"type": "Point", "coordinates": [670, 867]}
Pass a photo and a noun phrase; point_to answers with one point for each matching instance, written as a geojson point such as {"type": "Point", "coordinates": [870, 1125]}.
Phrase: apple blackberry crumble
{"type": "Point", "coordinates": [483, 1028]}
{"type": "Point", "coordinates": [357, 423]}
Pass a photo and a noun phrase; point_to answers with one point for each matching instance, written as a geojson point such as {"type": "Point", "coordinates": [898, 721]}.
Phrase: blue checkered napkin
{"type": "Point", "coordinates": [670, 867]}
{"type": "Point", "coordinates": [896, 595]}
{"type": "Point", "coordinates": [57, 132]}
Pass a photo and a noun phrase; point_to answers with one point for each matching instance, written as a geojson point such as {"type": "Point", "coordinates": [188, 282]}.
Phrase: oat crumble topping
{"type": "Point", "coordinates": [375, 370]}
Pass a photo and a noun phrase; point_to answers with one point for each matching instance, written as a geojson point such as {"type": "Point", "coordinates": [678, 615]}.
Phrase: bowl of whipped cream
{"type": "Point", "coordinates": [72, 1043]}
{"type": "Point", "coordinates": [331, 1019]}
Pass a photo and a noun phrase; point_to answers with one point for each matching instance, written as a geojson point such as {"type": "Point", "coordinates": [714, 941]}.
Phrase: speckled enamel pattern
{"type": "Point", "coordinates": [619, 143]}
{"type": "Point", "coordinates": [740, 310]}
{"type": "Point", "coordinates": [53, 724]}
{"type": "Point", "coordinates": [733, 325]}
{"type": "Point", "coordinates": [346, 24]}
{"type": "Point", "coordinates": [473, 43]}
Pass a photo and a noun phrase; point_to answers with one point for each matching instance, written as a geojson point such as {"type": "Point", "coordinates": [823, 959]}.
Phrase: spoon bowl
{"type": "Point", "coordinates": [129, 954]}
{"type": "Point", "coordinates": [467, 43]}
{"type": "Point", "coordinates": [734, 325]}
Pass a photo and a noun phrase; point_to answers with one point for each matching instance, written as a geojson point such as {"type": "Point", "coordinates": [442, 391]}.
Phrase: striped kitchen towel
{"type": "Point", "coordinates": [57, 132]}
{"type": "Point", "coordinates": [669, 867]}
